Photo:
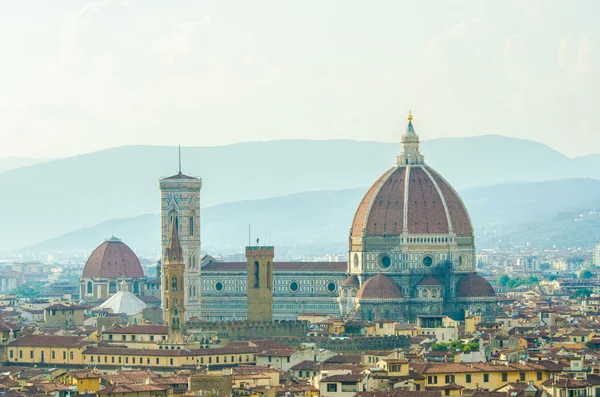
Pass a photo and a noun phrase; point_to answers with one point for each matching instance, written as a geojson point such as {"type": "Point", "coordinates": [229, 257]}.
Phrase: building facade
{"type": "Point", "coordinates": [173, 273]}
{"type": "Point", "coordinates": [259, 286]}
{"type": "Point", "coordinates": [180, 204]}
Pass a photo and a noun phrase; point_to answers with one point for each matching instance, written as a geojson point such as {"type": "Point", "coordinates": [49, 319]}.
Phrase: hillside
{"type": "Point", "coordinates": [11, 163]}
{"type": "Point", "coordinates": [318, 222]}
{"type": "Point", "coordinates": [45, 200]}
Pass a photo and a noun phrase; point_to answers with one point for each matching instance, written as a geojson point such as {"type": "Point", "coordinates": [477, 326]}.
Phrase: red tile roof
{"type": "Point", "coordinates": [379, 287]}
{"type": "Point", "coordinates": [112, 259]}
{"type": "Point", "coordinates": [50, 340]}
{"type": "Point", "coordinates": [474, 286]}
{"type": "Point", "coordinates": [381, 211]}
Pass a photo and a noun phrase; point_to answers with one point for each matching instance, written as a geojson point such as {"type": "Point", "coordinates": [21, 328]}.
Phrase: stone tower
{"type": "Point", "coordinates": [173, 281]}
{"type": "Point", "coordinates": [180, 204]}
{"type": "Point", "coordinates": [260, 283]}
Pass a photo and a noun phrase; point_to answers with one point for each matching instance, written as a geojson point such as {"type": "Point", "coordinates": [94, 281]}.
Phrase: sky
{"type": "Point", "coordinates": [79, 76]}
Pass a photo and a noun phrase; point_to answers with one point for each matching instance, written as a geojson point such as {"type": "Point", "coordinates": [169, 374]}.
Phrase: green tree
{"type": "Point", "coordinates": [581, 293]}
{"type": "Point", "coordinates": [503, 280]}
{"type": "Point", "coordinates": [27, 291]}
{"type": "Point", "coordinates": [586, 274]}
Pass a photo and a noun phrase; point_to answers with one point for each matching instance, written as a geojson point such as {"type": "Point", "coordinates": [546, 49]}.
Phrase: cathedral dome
{"type": "Point", "coordinates": [474, 286]}
{"type": "Point", "coordinates": [411, 198]}
{"type": "Point", "coordinates": [379, 287]}
{"type": "Point", "coordinates": [112, 259]}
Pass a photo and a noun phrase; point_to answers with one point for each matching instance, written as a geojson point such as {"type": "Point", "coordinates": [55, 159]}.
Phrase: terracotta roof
{"type": "Point", "coordinates": [132, 389]}
{"type": "Point", "coordinates": [379, 287]}
{"type": "Point", "coordinates": [381, 211]}
{"type": "Point", "coordinates": [278, 266]}
{"type": "Point", "coordinates": [112, 259]}
{"type": "Point", "coordinates": [139, 329]}
{"type": "Point", "coordinates": [474, 286]}
{"type": "Point", "coordinates": [60, 306]}
{"type": "Point", "coordinates": [50, 340]}
{"type": "Point", "coordinates": [351, 281]}
{"type": "Point", "coordinates": [429, 280]}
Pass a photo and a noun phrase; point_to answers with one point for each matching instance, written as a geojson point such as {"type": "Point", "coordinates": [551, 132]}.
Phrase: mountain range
{"type": "Point", "coordinates": [318, 222]}
{"type": "Point", "coordinates": [301, 192]}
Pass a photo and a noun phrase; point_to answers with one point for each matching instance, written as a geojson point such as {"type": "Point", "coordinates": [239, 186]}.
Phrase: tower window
{"type": "Point", "coordinates": [191, 226]}
{"type": "Point", "coordinates": [89, 287]}
{"type": "Point", "coordinates": [256, 274]}
{"type": "Point", "coordinates": [174, 283]}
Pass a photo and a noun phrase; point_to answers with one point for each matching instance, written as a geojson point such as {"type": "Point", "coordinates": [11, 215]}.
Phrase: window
{"type": "Point", "coordinates": [224, 359]}
{"type": "Point", "coordinates": [112, 287]}
{"type": "Point", "coordinates": [539, 376]}
{"type": "Point", "coordinates": [171, 361]}
{"type": "Point", "coordinates": [157, 361]}
{"type": "Point", "coordinates": [112, 359]}
{"type": "Point", "coordinates": [132, 337]}
{"type": "Point", "coordinates": [191, 226]}
{"type": "Point", "coordinates": [31, 354]}
{"type": "Point", "coordinates": [11, 353]}
{"type": "Point", "coordinates": [522, 376]}
{"type": "Point", "coordinates": [432, 380]}
{"type": "Point", "coordinates": [89, 289]}
{"type": "Point", "coordinates": [152, 337]}
{"type": "Point", "coordinates": [288, 359]}
{"type": "Point", "coordinates": [64, 355]}
{"type": "Point", "coordinates": [446, 392]}
{"type": "Point", "coordinates": [110, 337]}
{"type": "Point", "coordinates": [148, 361]}
{"type": "Point", "coordinates": [124, 337]}
{"type": "Point", "coordinates": [486, 377]}
{"type": "Point", "coordinates": [174, 283]}
{"type": "Point", "coordinates": [332, 387]}
{"type": "Point", "coordinates": [270, 358]}
{"type": "Point", "coordinates": [449, 379]}
{"type": "Point", "coordinates": [256, 274]}
{"type": "Point", "coordinates": [126, 360]}
{"type": "Point", "coordinates": [120, 360]}
{"type": "Point", "coordinates": [92, 359]}
{"type": "Point", "coordinates": [136, 287]}
{"type": "Point", "coordinates": [468, 378]}
{"type": "Point", "coordinates": [504, 377]}
{"type": "Point", "coordinates": [217, 359]}
{"type": "Point", "coordinates": [53, 355]}
{"type": "Point", "coordinates": [20, 353]}
{"type": "Point", "coordinates": [71, 355]}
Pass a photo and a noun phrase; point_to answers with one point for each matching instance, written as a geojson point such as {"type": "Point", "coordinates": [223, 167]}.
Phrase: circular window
{"type": "Point", "coordinates": [427, 261]}
{"type": "Point", "coordinates": [331, 286]}
{"type": "Point", "coordinates": [385, 261]}
{"type": "Point", "coordinates": [219, 286]}
{"type": "Point", "coordinates": [294, 287]}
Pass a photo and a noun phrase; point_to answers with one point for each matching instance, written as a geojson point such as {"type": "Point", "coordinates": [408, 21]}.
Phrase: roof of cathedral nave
{"type": "Point", "coordinates": [411, 198]}
{"type": "Point", "coordinates": [379, 287]}
{"type": "Point", "coordinates": [277, 266]}
{"type": "Point", "coordinates": [112, 259]}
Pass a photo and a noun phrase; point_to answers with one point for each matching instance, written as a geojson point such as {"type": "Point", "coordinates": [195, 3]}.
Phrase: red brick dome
{"type": "Point", "coordinates": [112, 259]}
{"type": "Point", "coordinates": [379, 287]}
{"type": "Point", "coordinates": [474, 286]}
{"type": "Point", "coordinates": [414, 198]}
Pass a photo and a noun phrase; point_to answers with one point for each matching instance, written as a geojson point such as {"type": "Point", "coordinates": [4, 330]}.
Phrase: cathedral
{"type": "Point", "coordinates": [411, 252]}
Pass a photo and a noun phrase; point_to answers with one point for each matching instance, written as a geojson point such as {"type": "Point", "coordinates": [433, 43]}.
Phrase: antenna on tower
{"type": "Point", "coordinates": [248, 235]}
{"type": "Point", "coordinates": [180, 159]}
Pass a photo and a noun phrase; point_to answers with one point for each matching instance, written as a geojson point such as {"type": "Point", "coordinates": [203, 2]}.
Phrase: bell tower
{"type": "Point", "coordinates": [173, 281]}
{"type": "Point", "coordinates": [260, 282]}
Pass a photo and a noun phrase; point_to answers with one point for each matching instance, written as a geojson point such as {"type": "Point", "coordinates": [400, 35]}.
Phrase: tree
{"type": "Point", "coordinates": [581, 293]}
{"type": "Point", "coordinates": [586, 274]}
{"type": "Point", "coordinates": [503, 280]}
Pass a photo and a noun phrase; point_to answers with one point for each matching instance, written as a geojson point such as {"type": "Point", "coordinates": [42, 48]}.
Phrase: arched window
{"type": "Point", "coordinates": [434, 293]}
{"type": "Point", "coordinates": [174, 284]}
{"type": "Point", "coordinates": [89, 288]}
{"type": "Point", "coordinates": [191, 221]}
{"type": "Point", "coordinates": [424, 293]}
{"type": "Point", "coordinates": [136, 287]}
{"type": "Point", "coordinates": [112, 287]}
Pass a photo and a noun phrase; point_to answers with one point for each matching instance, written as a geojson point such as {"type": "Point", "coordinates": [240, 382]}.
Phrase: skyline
{"type": "Point", "coordinates": [85, 77]}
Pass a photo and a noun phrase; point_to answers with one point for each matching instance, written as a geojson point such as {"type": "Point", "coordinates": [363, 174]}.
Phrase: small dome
{"type": "Point", "coordinates": [379, 287]}
{"type": "Point", "coordinates": [351, 281]}
{"type": "Point", "coordinates": [474, 286]}
{"type": "Point", "coordinates": [429, 281]}
{"type": "Point", "coordinates": [112, 259]}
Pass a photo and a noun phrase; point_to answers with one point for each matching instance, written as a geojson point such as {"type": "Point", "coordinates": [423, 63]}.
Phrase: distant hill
{"type": "Point", "coordinates": [11, 163]}
{"type": "Point", "coordinates": [318, 222]}
{"type": "Point", "coordinates": [45, 200]}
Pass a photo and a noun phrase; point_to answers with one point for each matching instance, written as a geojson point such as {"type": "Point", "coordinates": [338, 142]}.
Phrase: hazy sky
{"type": "Point", "coordinates": [79, 76]}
